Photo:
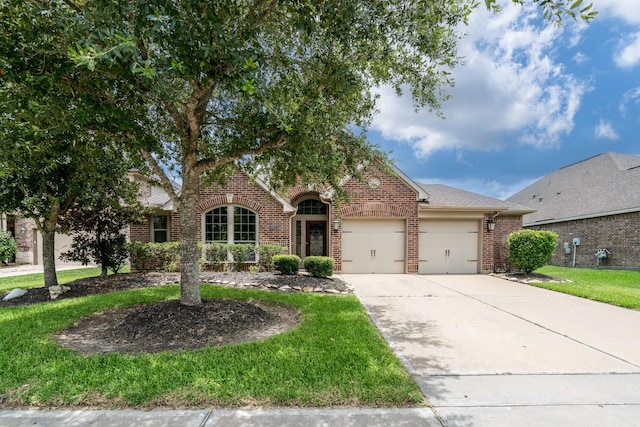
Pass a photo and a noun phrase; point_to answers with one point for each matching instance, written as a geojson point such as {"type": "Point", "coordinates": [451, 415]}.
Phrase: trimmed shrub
{"type": "Point", "coordinates": [286, 264]}
{"type": "Point", "coordinates": [319, 266]}
{"type": "Point", "coordinates": [8, 247]}
{"type": "Point", "coordinates": [216, 254]}
{"type": "Point", "coordinates": [266, 254]}
{"type": "Point", "coordinates": [139, 255]}
{"type": "Point", "coordinates": [531, 249]}
{"type": "Point", "coordinates": [154, 256]}
{"type": "Point", "coordinates": [240, 254]}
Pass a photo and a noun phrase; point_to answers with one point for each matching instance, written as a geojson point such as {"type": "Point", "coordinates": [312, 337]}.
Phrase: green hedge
{"type": "Point", "coordinates": [287, 264]}
{"type": "Point", "coordinates": [8, 247]}
{"type": "Point", "coordinates": [266, 254]}
{"type": "Point", "coordinates": [319, 266]}
{"type": "Point", "coordinates": [155, 256]}
{"type": "Point", "coordinates": [216, 254]}
{"type": "Point", "coordinates": [531, 249]}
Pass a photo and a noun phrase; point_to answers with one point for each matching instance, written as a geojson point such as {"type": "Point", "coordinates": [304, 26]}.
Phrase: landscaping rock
{"type": "Point", "coordinates": [56, 291]}
{"type": "Point", "coordinates": [16, 293]}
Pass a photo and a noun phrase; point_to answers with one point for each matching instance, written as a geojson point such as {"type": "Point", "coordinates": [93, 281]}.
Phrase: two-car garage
{"type": "Point", "coordinates": [380, 246]}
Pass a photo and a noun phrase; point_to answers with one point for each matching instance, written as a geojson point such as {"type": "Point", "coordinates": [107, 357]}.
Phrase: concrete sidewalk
{"type": "Point", "coordinates": [20, 270]}
{"type": "Point", "coordinates": [489, 352]}
{"type": "Point", "coordinates": [422, 417]}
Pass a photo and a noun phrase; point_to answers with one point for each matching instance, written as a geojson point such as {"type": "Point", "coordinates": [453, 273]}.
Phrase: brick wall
{"type": "Point", "coordinates": [273, 223]}
{"type": "Point", "coordinates": [620, 234]}
{"type": "Point", "coordinates": [392, 199]}
{"type": "Point", "coordinates": [498, 241]}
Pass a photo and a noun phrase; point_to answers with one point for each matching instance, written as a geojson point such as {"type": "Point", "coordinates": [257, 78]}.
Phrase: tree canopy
{"type": "Point", "coordinates": [276, 86]}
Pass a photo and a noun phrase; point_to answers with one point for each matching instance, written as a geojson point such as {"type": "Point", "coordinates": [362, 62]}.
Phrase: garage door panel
{"type": "Point", "coordinates": [373, 246]}
{"type": "Point", "coordinates": [448, 246]}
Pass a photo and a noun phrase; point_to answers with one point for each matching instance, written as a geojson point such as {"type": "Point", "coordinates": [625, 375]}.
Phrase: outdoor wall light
{"type": "Point", "coordinates": [23, 229]}
{"type": "Point", "coordinates": [336, 224]}
{"type": "Point", "coordinates": [491, 224]}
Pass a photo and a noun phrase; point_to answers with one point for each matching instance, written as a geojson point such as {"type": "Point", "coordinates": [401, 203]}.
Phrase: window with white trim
{"type": "Point", "coordinates": [160, 228]}
{"type": "Point", "coordinates": [231, 224]}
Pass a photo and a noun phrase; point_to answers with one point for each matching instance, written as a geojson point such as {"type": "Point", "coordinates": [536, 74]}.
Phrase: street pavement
{"type": "Point", "coordinates": [484, 351]}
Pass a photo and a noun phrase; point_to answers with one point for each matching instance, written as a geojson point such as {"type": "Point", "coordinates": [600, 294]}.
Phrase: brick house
{"type": "Point", "coordinates": [390, 225]}
{"type": "Point", "coordinates": [594, 203]}
{"type": "Point", "coordinates": [29, 239]}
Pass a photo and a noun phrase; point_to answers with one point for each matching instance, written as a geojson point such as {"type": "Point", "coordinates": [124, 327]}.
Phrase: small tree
{"type": "Point", "coordinates": [530, 249]}
{"type": "Point", "coordinates": [8, 247]}
{"type": "Point", "coordinates": [97, 222]}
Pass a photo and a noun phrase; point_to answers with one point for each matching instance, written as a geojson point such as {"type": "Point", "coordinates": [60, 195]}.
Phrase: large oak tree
{"type": "Point", "coordinates": [272, 85]}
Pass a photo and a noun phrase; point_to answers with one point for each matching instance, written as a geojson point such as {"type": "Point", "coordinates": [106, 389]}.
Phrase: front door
{"type": "Point", "coordinates": [316, 240]}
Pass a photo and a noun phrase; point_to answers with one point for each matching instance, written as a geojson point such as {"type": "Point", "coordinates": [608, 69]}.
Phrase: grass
{"type": "Point", "coordinates": [617, 287]}
{"type": "Point", "coordinates": [335, 357]}
{"type": "Point", "coordinates": [36, 280]}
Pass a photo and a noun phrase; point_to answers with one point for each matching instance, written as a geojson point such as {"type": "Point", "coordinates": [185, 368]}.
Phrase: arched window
{"type": "Point", "coordinates": [230, 224]}
{"type": "Point", "coordinates": [312, 207]}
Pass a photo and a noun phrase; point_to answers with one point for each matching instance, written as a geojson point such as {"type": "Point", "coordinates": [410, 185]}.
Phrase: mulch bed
{"type": "Point", "coordinates": [170, 326]}
{"type": "Point", "coordinates": [121, 282]}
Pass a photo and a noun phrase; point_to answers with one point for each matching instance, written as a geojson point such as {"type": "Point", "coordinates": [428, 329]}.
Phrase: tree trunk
{"type": "Point", "coordinates": [189, 254]}
{"type": "Point", "coordinates": [48, 231]}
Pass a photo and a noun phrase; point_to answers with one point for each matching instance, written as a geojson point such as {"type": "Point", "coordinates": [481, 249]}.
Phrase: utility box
{"type": "Point", "coordinates": [567, 249]}
{"type": "Point", "coordinates": [576, 241]}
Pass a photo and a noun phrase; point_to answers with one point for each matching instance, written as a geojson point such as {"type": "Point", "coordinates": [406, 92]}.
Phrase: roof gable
{"type": "Point", "coordinates": [601, 185]}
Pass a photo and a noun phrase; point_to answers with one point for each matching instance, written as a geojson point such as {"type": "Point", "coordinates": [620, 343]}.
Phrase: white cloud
{"type": "Point", "coordinates": [604, 130]}
{"type": "Point", "coordinates": [628, 54]}
{"type": "Point", "coordinates": [630, 97]}
{"type": "Point", "coordinates": [626, 10]}
{"type": "Point", "coordinates": [508, 89]}
{"type": "Point", "coordinates": [580, 58]}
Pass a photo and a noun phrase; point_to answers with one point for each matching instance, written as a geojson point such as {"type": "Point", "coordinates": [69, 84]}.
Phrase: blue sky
{"type": "Point", "coordinates": [530, 98]}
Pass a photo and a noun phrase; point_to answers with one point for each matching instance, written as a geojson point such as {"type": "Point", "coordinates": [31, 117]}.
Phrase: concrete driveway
{"type": "Point", "coordinates": [489, 352]}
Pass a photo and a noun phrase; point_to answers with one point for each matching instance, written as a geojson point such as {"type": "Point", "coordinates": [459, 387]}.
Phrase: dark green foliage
{"type": "Point", "coordinates": [154, 256]}
{"type": "Point", "coordinates": [216, 254]}
{"type": "Point", "coordinates": [319, 266]}
{"type": "Point", "coordinates": [240, 254]}
{"type": "Point", "coordinates": [286, 264]}
{"type": "Point", "coordinates": [110, 251]}
{"type": "Point", "coordinates": [266, 254]}
{"type": "Point", "coordinates": [8, 247]}
{"type": "Point", "coordinates": [531, 249]}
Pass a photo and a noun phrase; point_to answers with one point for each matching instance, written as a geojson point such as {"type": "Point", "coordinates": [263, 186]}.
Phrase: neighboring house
{"type": "Point", "coordinates": [596, 203]}
{"type": "Point", "coordinates": [29, 239]}
{"type": "Point", "coordinates": [390, 225]}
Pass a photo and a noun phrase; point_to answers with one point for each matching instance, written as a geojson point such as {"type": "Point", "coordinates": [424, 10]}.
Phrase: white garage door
{"type": "Point", "coordinates": [448, 247]}
{"type": "Point", "coordinates": [373, 246]}
{"type": "Point", "coordinates": [62, 244]}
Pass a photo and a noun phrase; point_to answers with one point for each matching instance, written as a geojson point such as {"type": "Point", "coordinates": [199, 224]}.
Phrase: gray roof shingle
{"type": "Point", "coordinates": [601, 185]}
{"type": "Point", "coordinates": [443, 196]}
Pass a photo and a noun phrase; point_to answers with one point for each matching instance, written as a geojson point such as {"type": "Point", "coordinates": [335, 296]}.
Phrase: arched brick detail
{"type": "Point", "coordinates": [223, 200]}
{"type": "Point", "coordinates": [304, 194]}
{"type": "Point", "coordinates": [375, 210]}
{"type": "Point", "coordinates": [299, 191]}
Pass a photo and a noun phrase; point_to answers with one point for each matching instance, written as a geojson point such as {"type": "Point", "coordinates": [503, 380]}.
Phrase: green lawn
{"type": "Point", "coordinates": [36, 280]}
{"type": "Point", "coordinates": [617, 287]}
{"type": "Point", "coordinates": [335, 357]}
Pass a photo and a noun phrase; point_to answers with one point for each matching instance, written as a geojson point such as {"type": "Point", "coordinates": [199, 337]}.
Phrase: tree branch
{"type": "Point", "coordinates": [205, 165]}
{"type": "Point", "coordinates": [164, 180]}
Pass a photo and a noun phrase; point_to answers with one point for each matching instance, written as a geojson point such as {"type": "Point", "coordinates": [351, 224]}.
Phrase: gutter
{"type": "Point", "coordinates": [578, 217]}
